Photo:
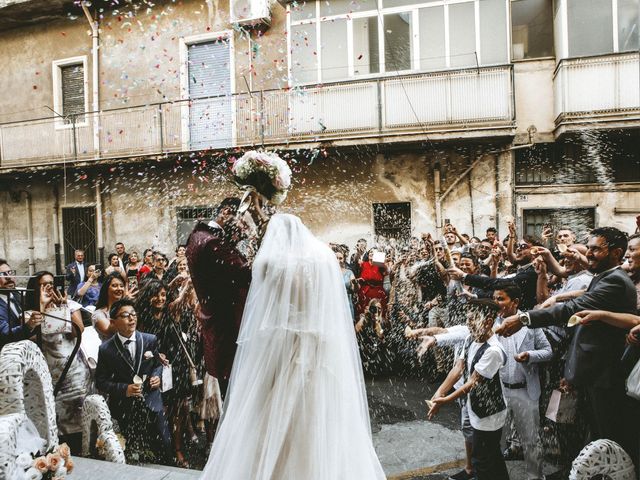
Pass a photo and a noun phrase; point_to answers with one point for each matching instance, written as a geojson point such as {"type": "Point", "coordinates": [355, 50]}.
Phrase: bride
{"type": "Point", "coordinates": [296, 408]}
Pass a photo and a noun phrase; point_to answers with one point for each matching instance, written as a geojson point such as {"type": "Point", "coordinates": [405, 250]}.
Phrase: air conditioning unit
{"type": "Point", "coordinates": [251, 14]}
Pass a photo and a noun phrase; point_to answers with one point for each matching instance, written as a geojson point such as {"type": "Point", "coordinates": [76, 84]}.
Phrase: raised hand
{"type": "Point", "coordinates": [509, 326]}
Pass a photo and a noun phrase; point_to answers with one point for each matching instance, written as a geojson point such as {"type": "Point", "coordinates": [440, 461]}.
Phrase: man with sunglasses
{"type": "Point", "coordinates": [11, 328]}
{"type": "Point", "coordinates": [593, 358]}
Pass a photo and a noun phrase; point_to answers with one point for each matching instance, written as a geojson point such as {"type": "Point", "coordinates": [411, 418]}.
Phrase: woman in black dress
{"type": "Point", "coordinates": [158, 317]}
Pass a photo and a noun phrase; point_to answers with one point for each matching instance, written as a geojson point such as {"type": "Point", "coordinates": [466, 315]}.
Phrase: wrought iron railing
{"type": "Point", "coordinates": [370, 107]}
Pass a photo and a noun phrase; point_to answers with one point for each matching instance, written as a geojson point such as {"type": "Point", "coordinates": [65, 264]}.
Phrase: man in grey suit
{"type": "Point", "coordinates": [520, 378]}
{"type": "Point", "coordinates": [593, 360]}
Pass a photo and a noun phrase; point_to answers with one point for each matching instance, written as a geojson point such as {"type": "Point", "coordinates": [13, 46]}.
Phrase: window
{"type": "Point", "coordinates": [532, 29]}
{"type": "Point", "coordinates": [597, 27]}
{"type": "Point", "coordinates": [397, 45]}
{"type": "Point", "coordinates": [303, 43]}
{"type": "Point", "coordinates": [462, 36]}
{"type": "Point", "coordinates": [187, 218]}
{"type": "Point", "coordinates": [358, 38]}
{"type": "Point", "coordinates": [392, 220]}
{"type": "Point", "coordinates": [580, 220]}
{"type": "Point", "coordinates": [334, 48]}
{"type": "Point", "coordinates": [594, 159]}
{"type": "Point", "coordinates": [628, 25]}
{"type": "Point", "coordinates": [70, 96]}
{"type": "Point", "coordinates": [365, 46]}
{"type": "Point", "coordinates": [432, 38]}
{"type": "Point", "coordinates": [590, 27]}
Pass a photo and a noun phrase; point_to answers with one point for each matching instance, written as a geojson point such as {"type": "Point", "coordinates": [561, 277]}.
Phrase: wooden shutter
{"type": "Point", "coordinates": [72, 89]}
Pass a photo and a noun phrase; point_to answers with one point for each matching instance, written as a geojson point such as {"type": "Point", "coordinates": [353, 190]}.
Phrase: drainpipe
{"type": "Point", "coordinates": [16, 198]}
{"type": "Point", "coordinates": [436, 187]}
{"type": "Point", "coordinates": [56, 231]}
{"type": "Point", "coordinates": [99, 239]}
{"type": "Point", "coordinates": [95, 107]}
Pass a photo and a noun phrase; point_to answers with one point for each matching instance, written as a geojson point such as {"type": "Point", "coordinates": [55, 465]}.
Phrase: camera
{"type": "Point", "coordinates": [373, 310]}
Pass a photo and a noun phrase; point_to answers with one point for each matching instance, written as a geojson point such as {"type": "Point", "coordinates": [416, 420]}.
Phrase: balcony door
{"type": "Point", "coordinates": [210, 88]}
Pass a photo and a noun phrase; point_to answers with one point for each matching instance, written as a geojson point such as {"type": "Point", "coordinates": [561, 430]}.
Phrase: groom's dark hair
{"type": "Point", "coordinates": [231, 202]}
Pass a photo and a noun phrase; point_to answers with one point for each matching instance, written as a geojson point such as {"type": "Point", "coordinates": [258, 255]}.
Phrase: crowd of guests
{"type": "Point", "coordinates": [142, 309]}
{"type": "Point", "coordinates": [503, 325]}
{"type": "Point", "coordinates": [508, 327]}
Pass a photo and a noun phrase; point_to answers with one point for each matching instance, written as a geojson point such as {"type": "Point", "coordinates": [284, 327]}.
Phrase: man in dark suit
{"type": "Point", "coordinates": [75, 272]}
{"type": "Point", "coordinates": [123, 256]}
{"type": "Point", "coordinates": [221, 277]}
{"type": "Point", "coordinates": [593, 360]}
{"type": "Point", "coordinates": [130, 372]}
{"type": "Point", "coordinates": [11, 328]}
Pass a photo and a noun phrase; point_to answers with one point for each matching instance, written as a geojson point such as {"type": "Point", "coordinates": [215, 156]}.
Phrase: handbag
{"type": "Point", "coordinates": [633, 382]}
{"type": "Point", "coordinates": [562, 407]}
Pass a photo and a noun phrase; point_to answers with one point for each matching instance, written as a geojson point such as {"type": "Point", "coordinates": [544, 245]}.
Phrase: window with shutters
{"type": "Point", "coordinates": [70, 90]}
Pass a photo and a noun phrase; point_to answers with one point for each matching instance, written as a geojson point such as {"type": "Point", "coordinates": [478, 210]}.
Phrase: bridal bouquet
{"type": "Point", "coordinates": [54, 464]}
{"type": "Point", "coordinates": [265, 172]}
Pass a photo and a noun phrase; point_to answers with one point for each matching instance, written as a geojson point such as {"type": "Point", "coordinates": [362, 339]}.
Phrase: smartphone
{"type": "Point", "coordinates": [133, 283]}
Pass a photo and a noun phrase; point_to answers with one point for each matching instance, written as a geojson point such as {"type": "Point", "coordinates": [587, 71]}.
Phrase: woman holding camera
{"type": "Point", "coordinates": [89, 290]}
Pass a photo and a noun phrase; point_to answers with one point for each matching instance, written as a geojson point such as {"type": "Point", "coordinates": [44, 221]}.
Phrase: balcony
{"type": "Point", "coordinates": [601, 91]}
{"type": "Point", "coordinates": [474, 100]}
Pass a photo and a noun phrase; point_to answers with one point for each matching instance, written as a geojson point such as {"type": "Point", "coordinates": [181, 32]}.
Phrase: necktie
{"type": "Point", "coordinates": [127, 352]}
{"type": "Point", "coordinates": [14, 305]}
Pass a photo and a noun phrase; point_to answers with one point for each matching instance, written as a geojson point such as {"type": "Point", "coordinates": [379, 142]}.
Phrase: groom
{"type": "Point", "coordinates": [221, 277]}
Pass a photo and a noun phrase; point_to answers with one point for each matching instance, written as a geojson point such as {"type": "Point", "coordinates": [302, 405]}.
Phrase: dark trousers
{"type": "Point", "coordinates": [615, 417]}
{"type": "Point", "coordinates": [147, 429]}
{"type": "Point", "coordinates": [486, 456]}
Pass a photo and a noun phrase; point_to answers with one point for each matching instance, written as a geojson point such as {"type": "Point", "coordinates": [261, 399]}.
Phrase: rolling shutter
{"type": "Point", "coordinates": [211, 121]}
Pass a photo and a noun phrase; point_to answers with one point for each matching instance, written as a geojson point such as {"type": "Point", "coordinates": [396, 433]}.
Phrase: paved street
{"type": "Point", "coordinates": [410, 447]}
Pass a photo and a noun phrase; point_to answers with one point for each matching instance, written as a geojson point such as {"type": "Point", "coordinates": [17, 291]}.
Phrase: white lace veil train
{"type": "Point", "coordinates": [296, 408]}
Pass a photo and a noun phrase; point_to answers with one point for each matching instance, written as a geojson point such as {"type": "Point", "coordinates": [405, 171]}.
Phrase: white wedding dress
{"type": "Point", "coordinates": [296, 407]}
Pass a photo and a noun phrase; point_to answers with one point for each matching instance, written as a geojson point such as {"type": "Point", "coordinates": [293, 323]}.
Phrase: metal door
{"type": "Point", "coordinates": [79, 232]}
{"type": "Point", "coordinates": [392, 220]}
{"type": "Point", "coordinates": [187, 218]}
{"type": "Point", "coordinates": [580, 220]}
{"type": "Point", "coordinates": [211, 112]}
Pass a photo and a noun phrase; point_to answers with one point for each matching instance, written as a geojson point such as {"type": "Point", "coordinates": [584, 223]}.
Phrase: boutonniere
{"type": "Point", "coordinates": [148, 354]}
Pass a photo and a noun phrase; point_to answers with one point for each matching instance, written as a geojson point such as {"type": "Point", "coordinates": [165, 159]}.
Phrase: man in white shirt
{"type": "Point", "coordinates": [479, 366]}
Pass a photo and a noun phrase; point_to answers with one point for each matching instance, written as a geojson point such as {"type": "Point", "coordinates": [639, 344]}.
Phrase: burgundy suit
{"type": "Point", "coordinates": [221, 277]}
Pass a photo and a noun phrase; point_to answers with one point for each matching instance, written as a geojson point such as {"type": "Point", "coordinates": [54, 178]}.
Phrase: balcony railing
{"type": "Point", "coordinates": [377, 107]}
{"type": "Point", "coordinates": [604, 86]}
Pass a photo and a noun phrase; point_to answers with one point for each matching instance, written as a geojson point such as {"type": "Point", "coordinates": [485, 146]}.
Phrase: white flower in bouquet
{"type": "Point", "coordinates": [266, 172]}
{"type": "Point", "coordinates": [61, 471]}
{"type": "Point", "coordinates": [24, 461]}
{"type": "Point", "coordinates": [33, 474]}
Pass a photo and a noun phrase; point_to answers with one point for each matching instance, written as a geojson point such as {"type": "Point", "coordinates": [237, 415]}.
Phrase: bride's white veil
{"type": "Point", "coordinates": [296, 406]}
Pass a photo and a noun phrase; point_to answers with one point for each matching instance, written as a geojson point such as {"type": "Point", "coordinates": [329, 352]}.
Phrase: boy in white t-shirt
{"type": "Point", "coordinates": [478, 365]}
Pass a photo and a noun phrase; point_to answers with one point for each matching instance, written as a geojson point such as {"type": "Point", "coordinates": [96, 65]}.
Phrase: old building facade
{"type": "Point", "coordinates": [118, 120]}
